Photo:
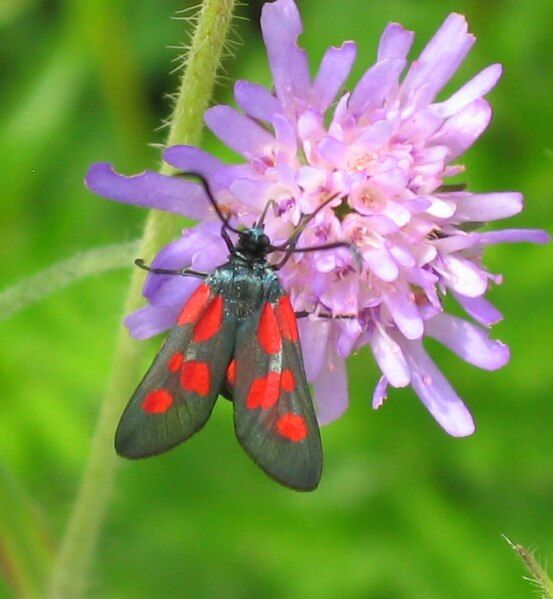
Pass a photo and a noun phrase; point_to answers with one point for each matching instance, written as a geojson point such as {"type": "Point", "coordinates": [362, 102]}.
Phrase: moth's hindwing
{"type": "Point", "coordinates": [273, 414]}
{"type": "Point", "coordinates": [177, 394]}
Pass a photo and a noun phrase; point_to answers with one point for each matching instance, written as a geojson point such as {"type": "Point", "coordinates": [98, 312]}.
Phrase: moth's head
{"type": "Point", "coordinates": [254, 243]}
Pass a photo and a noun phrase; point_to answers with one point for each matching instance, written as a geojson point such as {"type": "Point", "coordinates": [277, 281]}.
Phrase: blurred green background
{"type": "Point", "coordinates": [403, 510]}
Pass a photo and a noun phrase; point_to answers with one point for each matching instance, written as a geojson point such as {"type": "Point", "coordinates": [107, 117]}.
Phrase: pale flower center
{"type": "Point", "coordinates": [372, 198]}
{"type": "Point", "coordinates": [361, 160]}
{"type": "Point", "coordinates": [362, 236]}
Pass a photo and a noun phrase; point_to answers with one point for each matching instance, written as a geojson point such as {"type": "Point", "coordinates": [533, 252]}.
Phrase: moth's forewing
{"type": "Point", "coordinates": [273, 413]}
{"type": "Point", "coordinates": [177, 394]}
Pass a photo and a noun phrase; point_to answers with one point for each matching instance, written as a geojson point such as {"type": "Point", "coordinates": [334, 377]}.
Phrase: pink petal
{"type": "Point", "coordinates": [476, 88]}
{"type": "Point", "coordinates": [347, 333]}
{"type": "Point", "coordinates": [480, 309]}
{"type": "Point", "coordinates": [149, 321]}
{"type": "Point", "coordinates": [392, 180]}
{"type": "Point", "coordinates": [173, 292]}
{"type": "Point", "coordinates": [210, 254]}
{"type": "Point", "coordinates": [285, 133]}
{"type": "Point", "coordinates": [421, 126]}
{"type": "Point", "coordinates": [404, 311]}
{"type": "Point", "coordinates": [332, 150]}
{"type": "Point", "coordinates": [333, 72]}
{"type": "Point", "coordinates": [238, 131]}
{"type": "Point", "coordinates": [149, 189]}
{"type": "Point", "coordinates": [310, 126]}
{"type": "Point", "coordinates": [464, 277]}
{"type": "Point", "coordinates": [376, 135]}
{"type": "Point", "coordinates": [440, 208]}
{"type": "Point", "coordinates": [484, 207]}
{"type": "Point", "coordinates": [513, 236]}
{"type": "Point", "coordinates": [389, 358]}
{"type": "Point", "coordinates": [380, 393]}
{"type": "Point", "coordinates": [470, 342]}
{"type": "Point", "coordinates": [250, 192]}
{"type": "Point", "coordinates": [381, 264]}
{"type": "Point", "coordinates": [256, 101]}
{"type": "Point", "coordinates": [192, 160]}
{"type": "Point", "coordinates": [375, 85]}
{"type": "Point", "coordinates": [179, 254]}
{"type": "Point", "coordinates": [331, 389]}
{"type": "Point", "coordinates": [310, 178]}
{"type": "Point", "coordinates": [397, 213]}
{"type": "Point", "coordinates": [462, 129]}
{"type": "Point", "coordinates": [455, 243]}
{"type": "Point", "coordinates": [441, 57]}
{"type": "Point", "coordinates": [281, 26]}
{"type": "Point", "coordinates": [314, 335]}
{"type": "Point", "coordinates": [395, 42]}
{"type": "Point", "coordinates": [435, 391]}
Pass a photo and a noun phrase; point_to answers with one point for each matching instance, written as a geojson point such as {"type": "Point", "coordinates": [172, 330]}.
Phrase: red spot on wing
{"type": "Point", "coordinates": [287, 381]}
{"type": "Point", "coordinates": [264, 392]}
{"type": "Point", "coordinates": [268, 333]}
{"type": "Point", "coordinates": [175, 362]}
{"type": "Point", "coordinates": [292, 427]}
{"type": "Point", "coordinates": [231, 373]}
{"type": "Point", "coordinates": [157, 401]}
{"type": "Point", "coordinates": [195, 377]}
{"type": "Point", "coordinates": [210, 321]}
{"type": "Point", "coordinates": [194, 305]}
{"type": "Point", "coordinates": [287, 319]}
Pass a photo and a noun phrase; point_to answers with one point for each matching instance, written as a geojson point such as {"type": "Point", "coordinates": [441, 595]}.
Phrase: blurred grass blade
{"type": "Point", "coordinates": [32, 120]}
{"type": "Point", "coordinates": [103, 35]}
{"type": "Point", "coordinates": [11, 9]}
{"type": "Point", "coordinates": [26, 547]}
{"type": "Point", "coordinates": [37, 287]}
{"type": "Point", "coordinates": [538, 574]}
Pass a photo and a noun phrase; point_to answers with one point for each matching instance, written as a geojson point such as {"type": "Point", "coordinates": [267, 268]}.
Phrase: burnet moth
{"type": "Point", "coordinates": [236, 336]}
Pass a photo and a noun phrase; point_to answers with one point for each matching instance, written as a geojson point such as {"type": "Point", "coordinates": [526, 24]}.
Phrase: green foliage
{"type": "Point", "coordinates": [403, 510]}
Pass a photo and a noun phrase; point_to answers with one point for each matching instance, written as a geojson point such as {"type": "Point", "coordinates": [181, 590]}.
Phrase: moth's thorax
{"type": "Point", "coordinates": [244, 285]}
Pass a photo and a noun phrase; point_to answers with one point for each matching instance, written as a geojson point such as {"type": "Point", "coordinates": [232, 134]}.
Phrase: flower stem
{"type": "Point", "coordinates": [538, 573]}
{"type": "Point", "coordinates": [76, 554]}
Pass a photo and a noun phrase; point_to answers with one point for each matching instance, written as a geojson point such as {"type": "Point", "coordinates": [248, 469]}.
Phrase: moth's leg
{"type": "Point", "coordinates": [328, 246]}
{"type": "Point", "coordinates": [183, 272]}
{"type": "Point", "coordinates": [303, 314]}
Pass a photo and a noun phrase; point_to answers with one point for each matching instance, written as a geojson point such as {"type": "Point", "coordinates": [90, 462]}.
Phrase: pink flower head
{"type": "Point", "coordinates": [385, 149]}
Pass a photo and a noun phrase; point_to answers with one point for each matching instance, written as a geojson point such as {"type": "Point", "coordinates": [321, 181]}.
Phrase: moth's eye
{"type": "Point", "coordinates": [263, 239]}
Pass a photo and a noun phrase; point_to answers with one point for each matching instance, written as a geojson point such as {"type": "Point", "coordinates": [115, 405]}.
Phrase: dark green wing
{"type": "Point", "coordinates": [274, 417]}
{"type": "Point", "coordinates": [177, 394]}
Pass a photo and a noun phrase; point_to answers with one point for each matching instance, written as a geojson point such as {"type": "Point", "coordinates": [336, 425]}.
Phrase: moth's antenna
{"type": "Point", "coordinates": [289, 247]}
{"type": "Point", "coordinates": [261, 221]}
{"type": "Point", "coordinates": [214, 202]}
{"type": "Point", "coordinates": [301, 226]}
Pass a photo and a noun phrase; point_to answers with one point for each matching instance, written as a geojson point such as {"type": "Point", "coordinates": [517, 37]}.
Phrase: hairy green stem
{"type": "Point", "coordinates": [72, 568]}
{"type": "Point", "coordinates": [539, 575]}
{"type": "Point", "coordinates": [60, 275]}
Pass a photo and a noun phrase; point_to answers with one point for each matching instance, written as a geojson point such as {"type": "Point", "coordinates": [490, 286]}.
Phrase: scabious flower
{"type": "Point", "coordinates": [385, 149]}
